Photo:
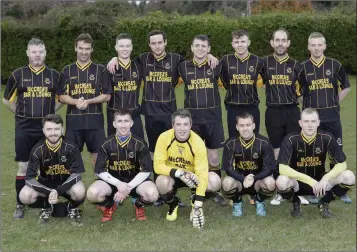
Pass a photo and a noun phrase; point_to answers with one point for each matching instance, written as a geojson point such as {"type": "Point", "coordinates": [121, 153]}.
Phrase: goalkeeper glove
{"type": "Point", "coordinates": [197, 217]}
{"type": "Point", "coordinates": [189, 178]}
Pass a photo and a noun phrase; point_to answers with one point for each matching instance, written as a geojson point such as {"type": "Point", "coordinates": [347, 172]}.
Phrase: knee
{"type": "Point", "coordinates": [27, 196]}
{"type": "Point", "coordinates": [282, 182]}
{"type": "Point", "coordinates": [163, 184]}
{"type": "Point", "coordinates": [93, 194]}
{"type": "Point", "coordinates": [78, 192]}
{"type": "Point", "coordinates": [227, 184]}
{"type": "Point", "coordinates": [348, 177]}
{"type": "Point", "coordinates": [214, 182]}
{"type": "Point", "coordinates": [151, 194]}
{"type": "Point", "coordinates": [269, 183]}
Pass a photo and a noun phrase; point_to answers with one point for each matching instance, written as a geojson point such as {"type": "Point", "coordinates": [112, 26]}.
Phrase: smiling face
{"type": "Point", "coordinates": [200, 49]}
{"type": "Point", "coordinates": [84, 51]}
{"type": "Point", "coordinates": [123, 124]}
{"type": "Point", "coordinates": [245, 127]}
{"type": "Point", "coordinates": [36, 54]}
{"type": "Point", "coordinates": [52, 132]}
{"type": "Point", "coordinates": [280, 43]}
{"type": "Point", "coordinates": [157, 44]}
{"type": "Point", "coordinates": [240, 45]}
{"type": "Point", "coordinates": [182, 127]}
{"type": "Point", "coordinates": [317, 47]}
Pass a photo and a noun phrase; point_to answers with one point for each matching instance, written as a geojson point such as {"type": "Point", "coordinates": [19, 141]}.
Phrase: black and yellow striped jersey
{"type": "Point", "coordinates": [254, 156]}
{"type": "Point", "coordinates": [123, 160]}
{"type": "Point", "coordinates": [280, 77]}
{"type": "Point", "coordinates": [35, 95]}
{"type": "Point", "coordinates": [125, 83]}
{"type": "Point", "coordinates": [54, 163]}
{"type": "Point", "coordinates": [308, 156]}
{"type": "Point", "coordinates": [239, 77]}
{"type": "Point", "coordinates": [321, 83]}
{"type": "Point", "coordinates": [83, 81]}
{"type": "Point", "coordinates": [202, 97]}
{"type": "Point", "coordinates": [160, 79]}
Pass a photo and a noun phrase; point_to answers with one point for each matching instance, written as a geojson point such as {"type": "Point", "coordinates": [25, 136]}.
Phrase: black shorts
{"type": "Point", "coordinates": [305, 189]}
{"type": "Point", "coordinates": [24, 142]}
{"type": "Point", "coordinates": [133, 192]}
{"type": "Point", "coordinates": [53, 184]}
{"type": "Point", "coordinates": [93, 138]}
{"type": "Point", "coordinates": [335, 128]}
{"type": "Point", "coordinates": [154, 126]}
{"type": "Point", "coordinates": [137, 128]}
{"type": "Point", "coordinates": [211, 133]}
{"type": "Point", "coordinates": [234, 111]}
{"type": "Point", "coordinates": [281, 121]}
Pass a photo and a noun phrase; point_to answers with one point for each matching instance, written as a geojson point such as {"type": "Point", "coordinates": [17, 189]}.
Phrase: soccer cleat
{"type": "Point", "coordinates": [45, 214]}
{"type": "Point", "coordinates": [296, 210]}
{"type": "Point", "coordinates": [303, 200]}
{"type": "Point", "coordinates": [100, 208]}
{"type": "Point", "coordinates": [313, 200]}
{"type": "Point", "coordinates": [74, 213]}
{"type": "Point", "coordinates": [218, 198]}
{"type": "Point", "coordinates": [172, 213]}
{"type": "Point", "coordinates": [260, 208]}
{"type": "Point", "coordinates": [19, 212]}
{"type": "Point", "coordinates": [346, 199]}
{"type": "Point", "coordinates": [277, 200]}
{"type": "Point", "coordinates": [324, 211]}
{"type": "Point", "coordinates": [140, 214]}
{"type": "Point", "coordinates": [108, 213]}
{"type": "Point", "coordinates": [237, 209]}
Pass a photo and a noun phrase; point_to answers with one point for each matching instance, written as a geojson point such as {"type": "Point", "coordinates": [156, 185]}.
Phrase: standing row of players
{"type": "Point", "coordinates": [84, 86]}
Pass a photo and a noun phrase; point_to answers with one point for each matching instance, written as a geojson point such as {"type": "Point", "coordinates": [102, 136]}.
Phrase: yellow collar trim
{"type": "Point", "coordinates": [123, 65]}
{"type": "Point", "coordinates": [242, 60]}
{"type": "Point", "coordinates": [306, 140]}
{"type": "Point", "coordinates": [199, 65]}
{"type": "Point", "coordinates": [281, 60]}
{"type": "Point", "coordinates": [122, 144]}
{"type": "Point", "coordinates": [160, 57]}
{"type": "Point", "coordinates": [40, 70]}
{"type": "Point", "coordinates": [249, 144]}
{"type": "Point", "coordinates": [84, 67]}
{"type": "Point", "coordinates": [54, 148]}
{"type": "Point", "coordinates": [318, 64]}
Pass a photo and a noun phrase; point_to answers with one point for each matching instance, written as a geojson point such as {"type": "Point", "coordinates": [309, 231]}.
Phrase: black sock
{"type": "Point", "coordinates": [215, 169]}
{"type": "Point", "coordinates": [75, 203]}
{"type": "Point", "coordinates": [287, 193]}
{"type": "Point", "coordinates": [210, 194]}
{"type": "Point", "coordinates": [296, 199]}
{"type": "Point", "coordinates": [107, 202]}
{"type": "Point", "coordinates": [233, 195]}
{"type": "Point", "coordinates": [140, 202]}
{"type": "Point", "coordinates": [19, 184]}
{"type": "Point", "coordinates": [264, 194]}
{"type": "Point", "coordinates": [39, 203]}
{"type": "Point", "coordinates": [336, 192]}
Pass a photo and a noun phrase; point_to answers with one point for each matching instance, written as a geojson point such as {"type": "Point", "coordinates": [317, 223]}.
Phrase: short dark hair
{"type": "Point", "coordinates": [283, 30]}
{"type": "Point", "coordinates": [123, 36]}
{"type": "Point", "coordinates": [183, 113]}
{"type": "Point", "coordinates": [86, 38]}
{"type": "Point", "coordinates": [240, 33]}
{"type": "Point", "coordinates": [202, 37]}
{"type": "Point", "coordinates": [122, 112]}
{"type": "Point", "coordinates": [156, 32]}
{"type": "Point", "coordinates": [244, 115]}
{"type": "Point", "coordinates": [57, 119]}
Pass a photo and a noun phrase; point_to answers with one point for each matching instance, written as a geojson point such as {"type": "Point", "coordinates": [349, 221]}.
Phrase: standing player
{"type": "Point", "coordinates": [302, 166]}
{"type": "Point", "coordinates": [54, 170]}
{"type": "Point", "coordinates": [323, 78]}
{"type": "Point", "coordinates": [181, 160]}
{"type": "Point", "coordinates": [240, 74]}
{"type": "Point", "coordinates": [34, 89]}
{"type": "Point", "coordinates": [160, 75]}
{"type": "Point", "coordinates": [125, 83]}
{"type": "Point", "coordinates": [280, 75]}
{"type": "Point", "coordinates": [203, 101]}
{"type": "Point", "coordinates": [81, 89]}
{"type": "Point", "coordinates": [123, 167]}
{"type": "Point", "coordinates": [248, 161]}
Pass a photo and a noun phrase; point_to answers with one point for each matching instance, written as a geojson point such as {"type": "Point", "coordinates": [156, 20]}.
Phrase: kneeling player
{"type": "Point", "coordinates": [302, 166]}
{"type": "Point", "coordinates": [180, 160]}
{"type": "Point", "coordinates": [123, 167]}
{"type": "Point", "coordinates": [54, 170]}
{"type": "Point", "coordinates": [248, 161]}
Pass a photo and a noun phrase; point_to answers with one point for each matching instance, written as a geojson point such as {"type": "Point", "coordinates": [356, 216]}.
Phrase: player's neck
{"type": "Point", "coordinates": [124, 61]}
{"type": "Point", "coordinates": [160, 56]}
{"type": "Point", "coordinates": [247, 139]}
{"type": "Point", "coordinates": [242, 56]}
{"type": "Point", "coordinates": [199, 61]}
{"type": "Point", "coordinates": [123, 138]}
{"type": "Point", "coordinates": [54, 145]}
{"type": "Point", "coordinates": [308, 137]}
{"type": "Point", "coordinates": [317, 60]}
{"type": "Point", "coordinates": [83, 63]}
{"type": "Point", "coordinates": [37, 67]}
{"type": "Point", "coordinates": [283, 56]}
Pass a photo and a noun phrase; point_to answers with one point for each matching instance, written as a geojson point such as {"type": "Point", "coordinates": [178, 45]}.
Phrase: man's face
{"type": "Point", "coordinates": [124, 47]}
{"type": "Point", "coordinates": [84, 51]}
{"type": "Point", "coordinates": [200, 49]}
{"type": "Point", "coordinates": [241, 44]}
{"type": "Point", "coordinates": [123, 123]}
{"type": "Point", "coordinates": [182, 127]}
{"type": "Point", "coordinates": [157, 44]}
{"type": "Point", "coordinates": [309, 124]}
{"type": "Point", "coordinates": [245, 127]}
{"type": "Point", "coordinates": [52, 132]}
{"type": "Point", "coordinates": [317, 47]}
{"type": "Point", "coordinates": [280, 43]}
{"type": "Point", "coordinates": [36, 54]}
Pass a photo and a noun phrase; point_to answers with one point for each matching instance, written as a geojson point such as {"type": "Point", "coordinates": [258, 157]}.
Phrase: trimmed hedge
{"type": "Point", "coordinates": [340, 33]}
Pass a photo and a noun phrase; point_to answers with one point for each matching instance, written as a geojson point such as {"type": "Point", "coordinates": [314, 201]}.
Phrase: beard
{"type": "Point", "coordinates": [54, 142]}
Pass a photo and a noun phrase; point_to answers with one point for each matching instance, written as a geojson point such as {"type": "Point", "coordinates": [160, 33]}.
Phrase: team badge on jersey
{"type": "Point", "coordinates": [251, 68]}
{"type": "Point", "coordinates": [47, 81]}
{"type": "Point", "coordinates": [209, 71]}
{"type": "Point", "coordinates": [91, 77]}
{"type": "Point", "coordinates": [328, 72]}
{"type": "Point", "coordinates": [131, 154]}
{"type": "Point", "coordinates": [63, 159]}
{"type": "Point", "coordinates": [167, 66]}
{"type": "Point", "coordinates": [289, 70]}
{"type": "Point", "coordinates": [180, 150]}
{"type": "Point", "coordinates": [255, 155]}
{"type": "Point", "coordinates": [318, 150]}
{"type": "Point", "coordinates": [134, 75]}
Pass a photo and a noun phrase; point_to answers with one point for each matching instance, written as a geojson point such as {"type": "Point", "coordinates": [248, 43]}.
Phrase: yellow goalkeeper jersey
{"type": "Point", "coordinates": [171, 155]}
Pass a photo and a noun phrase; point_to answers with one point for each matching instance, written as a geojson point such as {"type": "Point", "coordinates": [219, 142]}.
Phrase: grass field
{"type": "Point", "coordinates": [277, 231]}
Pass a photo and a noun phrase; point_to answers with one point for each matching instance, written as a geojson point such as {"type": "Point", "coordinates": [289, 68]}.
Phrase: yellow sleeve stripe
{"type": "Point", "coordinates": [291, 173]}
{"type": "Point", "coordinates": [13, 96]}
{"type": "Point", "coordinates": [260, 82]}
{"type": "Point", "coordinates": [336, 170]}
{"type": "Point", "coordinates": [220, 83]}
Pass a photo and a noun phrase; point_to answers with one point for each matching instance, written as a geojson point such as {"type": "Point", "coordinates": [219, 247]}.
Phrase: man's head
{"type": "Point", "coordinates": [181, 123]}
{"type": "Point", "coordinates": [124, 45]}
{"type": "Point", "coordinates": [309, 121]}
{"type": "Point", "coordinates": [200, 47]}
{"type": "Point", "coordinates": [84, 47]}
{"type": "Point", "coordinates": [157, 42]}
{"type": "Point", "coordinates": [52, 127]}
{"type": "Point", "coordinates": [316, 44]}
{"type": "Point", "coordinates": [280, 41]}
{"type": "Point", "coordinates": [240, 42]}
{"type": "Point", "coordinates": [36, 52]}
{"type": "Point", "coordinates": [245, 125]}
{"type": "Point", "coordinates": [123, 122]}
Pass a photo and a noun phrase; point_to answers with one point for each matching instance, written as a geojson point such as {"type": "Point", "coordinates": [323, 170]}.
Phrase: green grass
{"type": "Point", "coordinates": [277, 231]}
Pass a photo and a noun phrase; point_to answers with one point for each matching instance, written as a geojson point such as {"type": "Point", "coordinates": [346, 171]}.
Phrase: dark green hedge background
{"type": "Point", "coordinates": [340, 33]}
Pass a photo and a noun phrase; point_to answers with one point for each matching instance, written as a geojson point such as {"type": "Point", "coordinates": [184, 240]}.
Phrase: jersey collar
{"type": "Point", "coordinates": [125, 142]}
{"type": "Point", "coordinates": [37, 72]}
{"type": "Point", "coordinates": [281, 60]}
{"type": "Point", "coordinates": [242, 59]}
{"type": "Point", "coordinates": [247, 144]}
{"type": "Point", "coordinates": [84, 67]}
{"type": "Point", "coordinates": [318, 64]}
{"type": "Point", "coordinates": [306, 140]}
{"type": "Point", "coordinates": [199, 65]}
{"type": "Point", "coordinates": [54, 148]}
{"type": "Point", "coordinates": [123, 65]}
{"type": "Point", "coordinates": [160, 57]}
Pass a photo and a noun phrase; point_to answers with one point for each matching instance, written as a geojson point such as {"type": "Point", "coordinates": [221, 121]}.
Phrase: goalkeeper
{"type": "Point", "coordinates": [180, 160]}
